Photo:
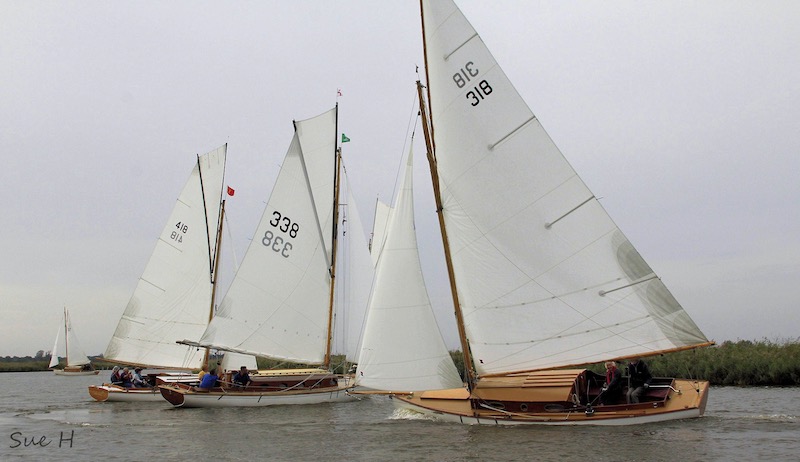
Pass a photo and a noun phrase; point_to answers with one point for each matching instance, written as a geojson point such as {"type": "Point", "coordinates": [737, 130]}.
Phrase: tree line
{"type": "Point", "coordinates": [740, 363]}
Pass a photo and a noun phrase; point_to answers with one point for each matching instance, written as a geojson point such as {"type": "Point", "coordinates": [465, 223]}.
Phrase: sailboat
{"type": "Point", "coordinates": [280, 303]}
{"type": "Point", "coordinates": [77, 363]}
{"type": "Point", "coordinates": [174, 296]}
{"type": "Point", "coordinates": [542, 280]}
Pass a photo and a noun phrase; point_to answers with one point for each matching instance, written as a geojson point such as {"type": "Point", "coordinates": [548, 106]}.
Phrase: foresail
{"type": "Point", "coordinates": [54, 353]}
{"type": "Point", "coordinates": [402, 347]}
{"type": "Point", "coordinates": [172, 300]}
{"type": "Point", "coordinates": [545, 277]}
{"type": "Point", "coordinates": [353, 278]}
{"type": "Point", "coordinates": [277, 305]}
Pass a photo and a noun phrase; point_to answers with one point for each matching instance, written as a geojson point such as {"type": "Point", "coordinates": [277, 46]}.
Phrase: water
{"type": "Point", "coordinates": [740, 424]}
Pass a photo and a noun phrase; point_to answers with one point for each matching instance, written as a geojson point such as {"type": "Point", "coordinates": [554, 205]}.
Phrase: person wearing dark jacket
{"type": "Point", "coordinates": [612, 389]}
{"type": "Point", "coordinates": [640, 377]}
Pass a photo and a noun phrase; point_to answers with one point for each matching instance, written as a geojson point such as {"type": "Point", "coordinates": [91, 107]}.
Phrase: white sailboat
{"type": "Point", "coordinates": [280, 303]}
{"type": "Point", "coordinates": [77, 363]}
{"type": "Point", "coordinates": [542, 279]}
{"type": "Point", "coordinates": [174, 296]}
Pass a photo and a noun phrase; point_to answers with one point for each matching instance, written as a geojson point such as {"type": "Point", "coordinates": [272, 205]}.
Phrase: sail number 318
{"type": "Point", "coordinates": [477, 93]}
{"type": "Point", "coordinates": [277, 243]}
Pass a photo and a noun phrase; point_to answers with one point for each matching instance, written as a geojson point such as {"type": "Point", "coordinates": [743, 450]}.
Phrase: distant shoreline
{"type": "Point", "coordinates": [740, 363]}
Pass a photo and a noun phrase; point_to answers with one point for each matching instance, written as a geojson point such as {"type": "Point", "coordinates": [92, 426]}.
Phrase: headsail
{"type": "Point", "coordinates": [544, 276]}
{"type": "Point", "coordinates": [173, 297]}
{"type": "Point", "coordinates": [278, 303]}
{"type": "Point", "coordinates": [400, 313]}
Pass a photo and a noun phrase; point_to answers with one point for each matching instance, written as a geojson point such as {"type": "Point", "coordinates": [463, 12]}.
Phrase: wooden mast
{"type": "Point", "coordinates": [334, 244]}
{"type": "Point", "coordinates": [214, 273]}
{"type": "Point", "coordinates": [427, 128]}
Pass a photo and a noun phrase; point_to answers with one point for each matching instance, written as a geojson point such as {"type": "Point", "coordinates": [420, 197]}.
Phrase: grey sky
{"type": "Point", "coordinates": [682, 116]}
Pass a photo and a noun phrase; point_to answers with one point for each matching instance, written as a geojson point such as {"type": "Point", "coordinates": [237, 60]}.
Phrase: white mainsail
{"type": "Point", "coordinates": [544, 276]}
{"type": "Point", "coordinates": [173, 297]}
{"type": "Point", "coordinates": [400, 313]}
{"type": "Point", "coordinates": [75, 354]}
{"type": "Point", "coordinates": [278, 303]}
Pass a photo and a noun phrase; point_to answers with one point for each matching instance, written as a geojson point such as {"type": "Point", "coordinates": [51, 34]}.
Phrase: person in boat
{"type": "Point", "coordinates": [209, 380]}
{"type": "Point", "coordinates": [203, 371]}
{"type": "Point", "coordinates": [138, 381]}
{"type": "Point", "coordinates": [242, 378]}
{"type": "Point", "coordinates": [116, 376]}
{"type": "Point", "coordinates": [127, 378]}
{"type": "Point", "coordinates": [612, 389]}
{"type": "Point", "coordinates": [640, 377]}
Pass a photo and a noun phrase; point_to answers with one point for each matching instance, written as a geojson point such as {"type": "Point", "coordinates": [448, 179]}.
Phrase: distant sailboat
{"type": "Point", "coordinates": [541, 277]}
{"type": "Point", "coordinates": [175, 295]}
{"type": "Point", "coordinates": [280, 304]}
{"type": "Point", "coordinates": [77, 363]}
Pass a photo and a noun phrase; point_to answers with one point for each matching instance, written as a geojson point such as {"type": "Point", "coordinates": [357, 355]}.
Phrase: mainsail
{"type": "Point", "coordinates": [75, 356]}
{"type": "Point", "coordinates": [173, 297]}
{"type": "Point", "coordinates": [544, 276]}
{"type": "Point", "coordinates": [278, 303]}
{"type": "Point", "coordinates": [400, 312]}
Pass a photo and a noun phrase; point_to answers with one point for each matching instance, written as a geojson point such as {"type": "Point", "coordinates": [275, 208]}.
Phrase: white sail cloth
{"type": "Point", "coordinates": [278, 303]}
{"type": "Point", "coordinates": [75, 356]}
{"type": "Point", "coordinates": [545, 277]}
{"type": "Point", "coordinates": [172, 300]}
{"type": "Point", "coordinates": [400, 313]}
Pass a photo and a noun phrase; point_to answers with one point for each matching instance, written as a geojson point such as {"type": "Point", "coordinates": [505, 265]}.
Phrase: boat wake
{"type": "Point", "coordinates": [408, 414]}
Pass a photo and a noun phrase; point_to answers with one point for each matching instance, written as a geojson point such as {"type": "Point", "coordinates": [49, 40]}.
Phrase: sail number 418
{"type": "Point", "coordinates": [477, 93]}
{"type": "Point", "coordinates": [177, 236]}
{"type": "Point", "coordinates": [277, 243]}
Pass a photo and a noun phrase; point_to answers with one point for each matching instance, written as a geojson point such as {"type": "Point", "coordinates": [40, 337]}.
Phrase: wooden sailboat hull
{"type": "Point", "coordinates": [180, 397]}
{"type": "Point", "coordinates": [269, 389]}
{"type": "Point", "coordinates": [685, 399]}
{"type": "Point", "coordinates": [115, 393]}
{"type": "Point", "coordinates": [74, 373]}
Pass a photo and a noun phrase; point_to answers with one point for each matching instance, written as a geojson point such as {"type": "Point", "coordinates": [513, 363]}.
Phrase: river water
{"type": "Point", "coordinates": [40, 411]}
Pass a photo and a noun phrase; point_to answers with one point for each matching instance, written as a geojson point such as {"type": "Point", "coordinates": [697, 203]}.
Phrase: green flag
{"type": "Point", "coordinates": [345, 139]}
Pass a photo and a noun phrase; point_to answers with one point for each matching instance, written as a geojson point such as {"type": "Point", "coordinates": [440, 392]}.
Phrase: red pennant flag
{"type": "Point", "coordinates": [231, 192]}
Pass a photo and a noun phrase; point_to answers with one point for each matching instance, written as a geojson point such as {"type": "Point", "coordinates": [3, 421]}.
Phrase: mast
{"type": "Point", "coordinates": [66, 337]}
{"type": "Point", "coordinates": [334, 244]}
{"type": "Point", "coordinates": [462, 334]}
{"type": "Point", "coordinates": [214, 273]}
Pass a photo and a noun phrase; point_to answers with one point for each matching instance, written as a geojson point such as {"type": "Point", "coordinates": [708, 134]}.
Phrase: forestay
{"type": "Point", "coordinates": [545, 277]}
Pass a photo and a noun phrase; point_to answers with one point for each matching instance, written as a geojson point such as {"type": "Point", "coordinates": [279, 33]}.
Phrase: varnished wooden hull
{"type": "Point", "coordinates": [113, 393]}
{"type": "Point", "coordinates": [685, 399]}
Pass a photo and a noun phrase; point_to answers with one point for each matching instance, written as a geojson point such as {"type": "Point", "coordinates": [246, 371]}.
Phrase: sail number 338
{"type": "Point", "coordinates": [465, 76]}
{"type": "Point", "coordinates": [280, 243]}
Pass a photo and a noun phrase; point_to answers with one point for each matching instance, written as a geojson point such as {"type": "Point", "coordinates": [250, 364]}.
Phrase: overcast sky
{"type": "Point", "coordinates": [682, 116]}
